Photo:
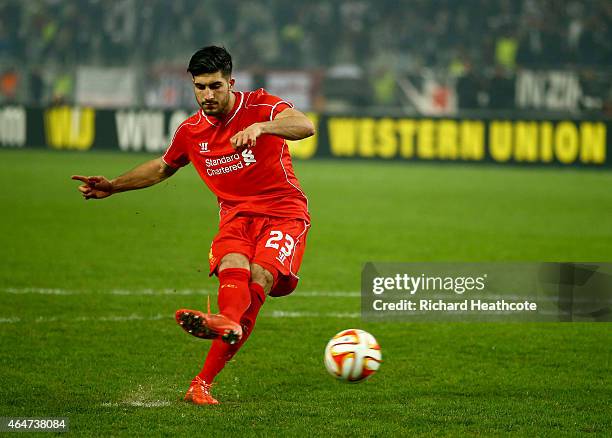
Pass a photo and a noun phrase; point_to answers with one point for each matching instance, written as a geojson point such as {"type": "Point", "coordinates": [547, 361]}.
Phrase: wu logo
{"type": "Point", "coordinates": [249, 157]}
{"type": "Point", "coordinates": [203, 147]}
{"type": "Point", "coordinates": [68, 127]}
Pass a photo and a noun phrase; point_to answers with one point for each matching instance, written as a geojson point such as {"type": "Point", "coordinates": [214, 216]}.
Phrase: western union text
{"type": "Point", "coordinates": [502, 141]}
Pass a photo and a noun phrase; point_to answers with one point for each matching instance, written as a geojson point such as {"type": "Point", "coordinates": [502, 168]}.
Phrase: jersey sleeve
{"type": "Point", "coordinates": [176, 155]}
{"type": "Point", "coordinates": [269, 105]}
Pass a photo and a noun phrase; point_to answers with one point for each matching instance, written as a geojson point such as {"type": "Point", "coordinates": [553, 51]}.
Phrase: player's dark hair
{"type": "Point", "coordinates": [210, 59]}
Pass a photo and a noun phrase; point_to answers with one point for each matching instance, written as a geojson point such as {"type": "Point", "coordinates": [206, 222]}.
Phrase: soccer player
{"type": "Point", "coordinates": [236, 142]}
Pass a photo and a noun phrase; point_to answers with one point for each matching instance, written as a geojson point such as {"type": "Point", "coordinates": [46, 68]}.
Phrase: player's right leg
{"type": "Point", "coordinates": [234, 299]}
{"type": "Point", "coordinates": [229, 257]}
{"type": "Point", "coordinates": [221, 352]}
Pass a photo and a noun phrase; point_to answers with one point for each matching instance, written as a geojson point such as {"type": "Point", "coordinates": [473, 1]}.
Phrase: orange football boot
{"type": "Point", "coordinates": [199, 393]}
{"type": "Point", "coordinates": [209, 326]}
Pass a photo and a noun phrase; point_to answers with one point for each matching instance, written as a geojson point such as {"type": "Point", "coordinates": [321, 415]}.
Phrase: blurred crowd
{"type": "Point", "coordinates": [476, 41]}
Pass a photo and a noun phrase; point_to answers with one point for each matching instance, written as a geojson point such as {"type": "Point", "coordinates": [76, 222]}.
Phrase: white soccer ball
{"type": "Point", "coordinates": [352, 355]}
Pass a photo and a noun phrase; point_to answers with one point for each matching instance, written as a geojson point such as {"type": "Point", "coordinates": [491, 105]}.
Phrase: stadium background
{"type": "Point", "coordinates": [88, 289]}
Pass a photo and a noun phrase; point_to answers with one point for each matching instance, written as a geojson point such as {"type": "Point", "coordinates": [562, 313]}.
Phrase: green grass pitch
{"type": "Point", "coordinates": [89, 289]}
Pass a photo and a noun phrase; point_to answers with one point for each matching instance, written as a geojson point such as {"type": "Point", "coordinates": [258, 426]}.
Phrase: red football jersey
{"type": "Point", "coordinates": [256, 180]}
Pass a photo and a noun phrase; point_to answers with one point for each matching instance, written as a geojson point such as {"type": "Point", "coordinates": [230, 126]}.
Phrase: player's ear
{"type": "Point", "coordinates": [232, 81]}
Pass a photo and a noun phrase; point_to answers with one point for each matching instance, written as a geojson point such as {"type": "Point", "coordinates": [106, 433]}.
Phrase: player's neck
{"type": "Point", "coordinates": [230, 106]}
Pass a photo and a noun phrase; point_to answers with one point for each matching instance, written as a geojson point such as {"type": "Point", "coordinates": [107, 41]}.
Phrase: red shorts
{"type": "Point", "coordinates": [276, 244]}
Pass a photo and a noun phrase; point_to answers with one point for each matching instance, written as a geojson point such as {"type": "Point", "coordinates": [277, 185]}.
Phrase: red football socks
{"type": "Point", "coordinates": [234, 295]}
{"type": "Point", "coordinates": [258, 296]}
{"type": "Point", "coordinates": [220, 352]}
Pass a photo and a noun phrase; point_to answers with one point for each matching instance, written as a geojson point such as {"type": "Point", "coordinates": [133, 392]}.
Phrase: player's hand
{"type": "Point", "coordinates": [94, 187]}
{"type": "Point", "coordinates": [247, 137]}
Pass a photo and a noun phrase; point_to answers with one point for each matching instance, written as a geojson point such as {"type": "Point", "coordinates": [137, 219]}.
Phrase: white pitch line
{"type": "Point", "coordinates": [158, 292]}
{"type": "Point", "coordinates": [9, 320]}
{"type": "Point", "coordinates": [118, 318]}
{"type": "Point", "coordinates": [327, 294]}
{"type": "Point", "coordinates": [155, 292]}
{"type": "Point", "coordinates": [290, 314]}
{"type": "Point", "coordinates": [273, 314]}
{"type": "Point", "coordinates": [297, 294]}
{"type": "Point", "coordinates": [36, 290]}
{"type": "Point", "coordinates": [158, 317]}
{"type": "Point", "coordinates": [109, 318]}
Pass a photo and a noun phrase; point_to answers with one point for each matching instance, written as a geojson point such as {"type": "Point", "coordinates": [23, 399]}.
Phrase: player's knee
{"type": "Point", "coordinates": [233, 260]}
{"type": "Point", "coordinates": [262, 277]}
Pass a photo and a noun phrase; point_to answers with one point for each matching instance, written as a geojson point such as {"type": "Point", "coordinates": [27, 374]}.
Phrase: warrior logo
{"type": "Point", "coordinates": [203, 147]}
{"type": "Point", "coordinates": [249, 157]}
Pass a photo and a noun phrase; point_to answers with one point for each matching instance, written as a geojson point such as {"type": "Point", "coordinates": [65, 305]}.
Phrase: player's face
{"type": "Point", "coordinates": [213, 93]}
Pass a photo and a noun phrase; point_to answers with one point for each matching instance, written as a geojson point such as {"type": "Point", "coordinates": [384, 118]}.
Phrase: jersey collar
{"type": "Point", "coordinates": [225, 119]}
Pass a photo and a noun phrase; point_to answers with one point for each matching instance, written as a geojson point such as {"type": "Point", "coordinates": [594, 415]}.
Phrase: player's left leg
{"type": "Point", "coordinates": [266, 278]}
{"type": "Point", "coordinates": [257, 283]}
{"type": "Point", "coordinates": [271, 273]}
{"type": "Point", "coordinates": [261, 283]}
{"type": "Point", "coordinates": [221, 352]}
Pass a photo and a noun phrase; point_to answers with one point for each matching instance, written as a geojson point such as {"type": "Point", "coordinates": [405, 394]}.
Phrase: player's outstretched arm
{"type": "Point", "coordinates": [145, 175]}
{"type": "Point", "coordinates": [290, 124]}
